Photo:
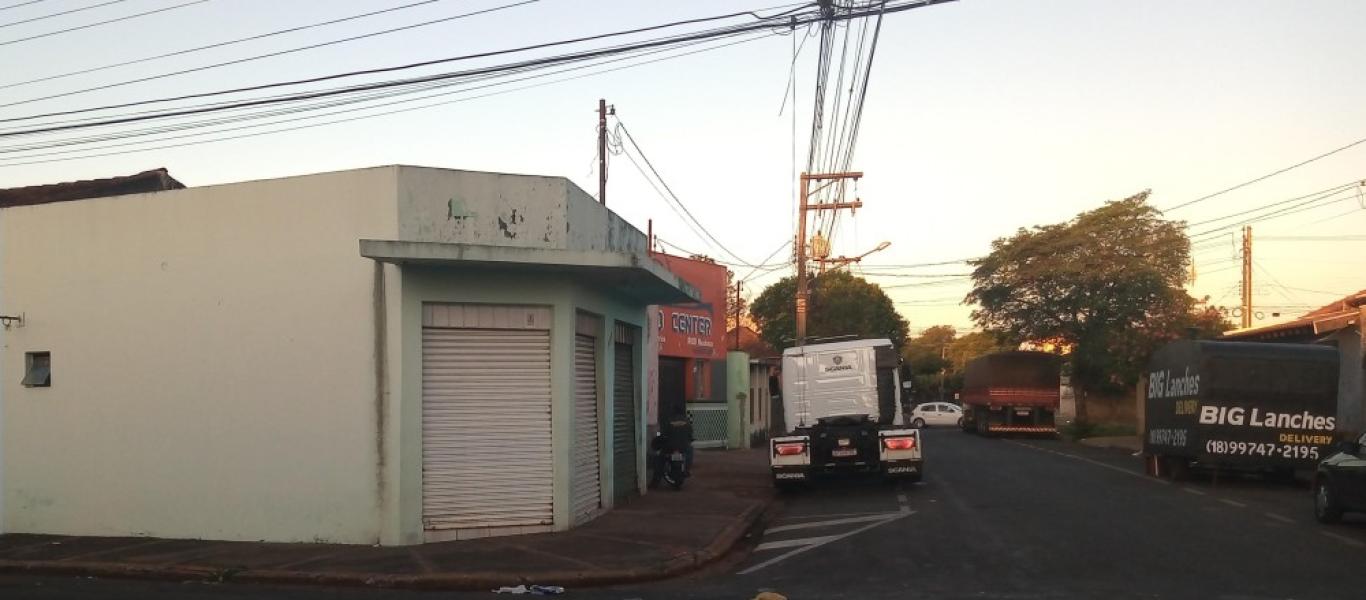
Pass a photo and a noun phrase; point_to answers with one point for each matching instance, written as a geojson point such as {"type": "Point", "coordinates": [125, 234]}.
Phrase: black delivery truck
{"type": "Point", "coordinates": [1261, 407]}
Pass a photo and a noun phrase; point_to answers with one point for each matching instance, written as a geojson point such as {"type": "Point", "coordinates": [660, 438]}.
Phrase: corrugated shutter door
{"type": "Point", "coordinates": [624, 422]}
{"type": "Point", "coordinates": [486, 438]}
{"type": "Point", "coordinates": [587, 485]}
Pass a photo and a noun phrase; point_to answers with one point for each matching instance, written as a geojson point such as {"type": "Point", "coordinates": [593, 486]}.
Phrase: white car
{"type": "Point", "coordinates": [936, 413]}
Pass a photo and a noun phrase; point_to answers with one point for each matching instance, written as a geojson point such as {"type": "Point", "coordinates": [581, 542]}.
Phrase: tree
{"type": "Point", "coordinates": [737, 306]}
{"type": "Point", "coordinates": [840, 305]}
{"type": "Point", "coordinates": [1108, 283]}
{"type": "Point", "coordinates": [926, 352]}
{"type": "Point", "coordinates": [939, 354]}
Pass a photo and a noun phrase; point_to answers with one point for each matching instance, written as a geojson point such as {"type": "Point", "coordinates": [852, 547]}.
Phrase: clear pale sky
{"type": "Point", "coordinates": [983, 116]}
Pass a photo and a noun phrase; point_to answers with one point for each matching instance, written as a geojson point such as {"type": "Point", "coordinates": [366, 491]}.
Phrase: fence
{"type": "Point", "coordinates": [708, 424]}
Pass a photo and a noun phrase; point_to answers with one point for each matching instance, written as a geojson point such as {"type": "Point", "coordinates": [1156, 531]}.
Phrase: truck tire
{"type": "Point", "coordinates": [1326, 508]}
{"type": "Point", "coordinates": [983, 425]}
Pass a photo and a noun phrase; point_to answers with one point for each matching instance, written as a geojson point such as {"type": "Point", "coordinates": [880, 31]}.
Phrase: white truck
{"type": "Point", "coordinates": [841, 401]}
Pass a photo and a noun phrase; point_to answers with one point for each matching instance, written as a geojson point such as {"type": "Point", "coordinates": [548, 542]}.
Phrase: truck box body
{"type": "Point", "coordinates": [1012, 392]}
{"type": "Point", "coordinates": [1242, 404]}
{"type": "Point", "coordinates": [839, 379]}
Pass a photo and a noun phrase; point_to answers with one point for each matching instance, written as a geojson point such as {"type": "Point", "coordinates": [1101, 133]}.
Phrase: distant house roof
{"type": "Point", "coordinates": [751, 343]}
{"type": "Point", "coordinates": [156, 180]}
{"type": "Point", "coordinates": [1328, 318]}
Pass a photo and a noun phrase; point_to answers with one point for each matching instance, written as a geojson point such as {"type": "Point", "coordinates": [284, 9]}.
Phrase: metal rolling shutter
{"type": "Point", "coordinates": [486, 437]}
{"type": "Point", "coordinates": [586, 497]}
{"type": "Point", "coordinates": [624, 421]}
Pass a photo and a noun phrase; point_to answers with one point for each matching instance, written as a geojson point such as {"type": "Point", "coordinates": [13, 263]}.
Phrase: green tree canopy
{"type": "Point", "coordinates": [841, 305]}
{"type": "Point", "coordinates": [1108, 282]}
{"type": "Point", "coordinates": [939, 354]}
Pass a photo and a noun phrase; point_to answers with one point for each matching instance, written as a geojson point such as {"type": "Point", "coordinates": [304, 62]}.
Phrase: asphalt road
{"type": "Point", "coordinates": [1019, 519]}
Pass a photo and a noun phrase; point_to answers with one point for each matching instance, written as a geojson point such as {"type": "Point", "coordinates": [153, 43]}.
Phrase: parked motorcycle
{"type": "Point", "coordinates": [670, 461]}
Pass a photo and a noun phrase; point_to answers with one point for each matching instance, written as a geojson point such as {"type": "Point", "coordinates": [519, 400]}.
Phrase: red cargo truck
{"type": "Point", "coordinates": [1011, 392]}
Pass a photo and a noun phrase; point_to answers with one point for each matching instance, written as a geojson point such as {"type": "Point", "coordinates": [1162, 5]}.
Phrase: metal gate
{"type": "Point", "coordinates": [624, 416]}
{"type": "Point", "coordinates": [586, 496]}
{"type": "Point", "coordinates": [486, 437]}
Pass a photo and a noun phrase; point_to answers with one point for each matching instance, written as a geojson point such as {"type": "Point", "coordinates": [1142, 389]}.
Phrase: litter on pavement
{"type": "Point", "coordinates": [535, 590]}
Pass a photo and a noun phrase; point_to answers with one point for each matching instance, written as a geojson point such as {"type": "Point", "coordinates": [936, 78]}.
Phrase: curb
{"type": "Point", "coordinates": [680, 564]}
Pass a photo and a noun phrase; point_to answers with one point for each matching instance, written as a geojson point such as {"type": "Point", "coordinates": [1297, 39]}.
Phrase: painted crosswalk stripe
{"type": "Point", "coordinates": [811, 545]}
{"type": "Point", "coordinates": [828, 523]}
{"type": "Point", "coordinates": [820, 539]}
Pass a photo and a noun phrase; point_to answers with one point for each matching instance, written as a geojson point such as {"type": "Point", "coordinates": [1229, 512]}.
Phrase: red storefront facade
{"type": "Point", "coordinates": [691, 338]}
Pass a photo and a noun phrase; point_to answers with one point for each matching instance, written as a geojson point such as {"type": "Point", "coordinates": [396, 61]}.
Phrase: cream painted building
{"type": "Point", "coordinates": [390, 355]}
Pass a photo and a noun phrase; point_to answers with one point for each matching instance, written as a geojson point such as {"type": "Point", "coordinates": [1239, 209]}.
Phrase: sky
{"type": "Point", "coordinates": [982, 117]}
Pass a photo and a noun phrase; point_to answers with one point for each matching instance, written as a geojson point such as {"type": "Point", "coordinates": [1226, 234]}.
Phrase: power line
{"type": "Point", "coordinates": [105, 22]}
{"type": "Point", "coordinates": [269, 54]}
{"type": "Point", "coordinates": [1318, 291]}
{"type": "Point", "coordinates": [768, 258]}
{"type": "Point", "coordinates": [380, 114]}
{"type": "Point", "coordinates": [953, 281]}
{"type": "Point", "coordinates": [1327, 191]}
{"type": "Point", "coordinates": [919, 275]}
{"type": "Point", "coordinates": [2, 8]}
{"type": "Point", "coordinates": [705, 34]}
{"type": "Point", "coordinates": [1335, 217]}
{"type": "Point", "coordinates": [1311, 204]}
{"type": "Point", "coordinates": [919, 265]}
{"type": "Point", "coordinates": [58, 14]}
{"type": "Point", "coordinates": [220, 44]}
{"type": "Point", "coordinates": [1268, 175]}
{"type": "Point", "coordinates": [665, 184]}
{"type": "Point", "coordinates": [1313, 238]}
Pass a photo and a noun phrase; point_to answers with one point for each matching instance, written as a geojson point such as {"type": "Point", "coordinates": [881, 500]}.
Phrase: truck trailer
{"type": "Point", "coordinates": [1012, 392]}
{"type": "Point", "coordinates": [1244, 406]}
{"type": "Point", "coordinates": [841, 400]}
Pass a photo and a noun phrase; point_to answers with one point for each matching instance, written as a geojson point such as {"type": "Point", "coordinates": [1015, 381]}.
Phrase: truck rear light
{"type": "Point", "coordinates": [899, 443]}
{"type": "Point", "coordinates": [789, 449]}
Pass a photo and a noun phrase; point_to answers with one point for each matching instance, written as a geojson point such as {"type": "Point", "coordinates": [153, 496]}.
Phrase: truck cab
{"type": "Point", "coordinates": [842, 401]}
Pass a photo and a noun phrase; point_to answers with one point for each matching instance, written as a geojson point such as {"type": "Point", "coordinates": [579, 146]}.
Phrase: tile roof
{"type": "Point", "coordinates": [1329, 317]}
{"type": "Point", "coordinates": [156, 180]}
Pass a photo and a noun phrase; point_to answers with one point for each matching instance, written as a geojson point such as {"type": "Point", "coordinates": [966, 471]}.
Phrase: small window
{"type": "Point", "coordinates": [929, 408]}
{"type": "Point", "coordinates": [37, 369]}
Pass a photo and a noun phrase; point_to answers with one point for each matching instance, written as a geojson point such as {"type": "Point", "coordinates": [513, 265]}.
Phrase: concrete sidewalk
{"type": "Point", "coordinates": [662, 534]}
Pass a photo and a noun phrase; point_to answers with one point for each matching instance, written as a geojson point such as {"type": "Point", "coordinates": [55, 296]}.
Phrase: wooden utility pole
{"type": "Point", "coordinates": [803, 293]}
{"type": "Point", "coordinates": [1247, 277]}
{"type": "Point", "coordinates": [738, 284]}
{"type": "Point", "coordinates": [603, 111]}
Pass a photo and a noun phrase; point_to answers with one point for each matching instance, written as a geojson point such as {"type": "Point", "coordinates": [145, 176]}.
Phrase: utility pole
{"type": "Point", "coordinates": [603, 111]}
{"type": "Point", "coordinates": [738, 284]}
{"type": "Point", "coordinates": [1247, 277]}
{"type": "Point", "coordinates": [943, 354]}
{"type": "Point", "coordinates": [803, 293]}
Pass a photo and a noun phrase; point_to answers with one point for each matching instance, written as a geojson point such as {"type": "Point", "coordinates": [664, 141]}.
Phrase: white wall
{"type": "Point", "coordinates": [213, 361]}
{"type": "Point", "coordinates": [1350, 394]}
